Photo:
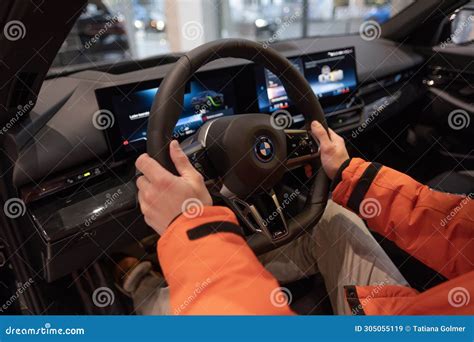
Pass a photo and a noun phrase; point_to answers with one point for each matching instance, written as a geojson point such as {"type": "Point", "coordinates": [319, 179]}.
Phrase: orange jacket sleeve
{"type": "Point", "coordinates": [437, 228]}
{"type": "Point", "coordinates": [211, 270]}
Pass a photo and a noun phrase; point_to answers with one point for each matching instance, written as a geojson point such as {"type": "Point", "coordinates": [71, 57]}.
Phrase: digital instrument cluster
{"type": "Point", "coordinates": [210, 95]}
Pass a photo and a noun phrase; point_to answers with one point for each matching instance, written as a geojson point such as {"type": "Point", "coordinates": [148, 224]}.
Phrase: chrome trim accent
{"type": "Point", "coordinates": [203, 132]}
{"type": "Point", "coordinates": [193, 148]}
{"type": "Point", "coordinates": [279, 209]}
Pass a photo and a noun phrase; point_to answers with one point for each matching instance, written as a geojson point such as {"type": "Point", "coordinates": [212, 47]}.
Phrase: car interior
{"type": "Point", "coordinates": [71, 137]}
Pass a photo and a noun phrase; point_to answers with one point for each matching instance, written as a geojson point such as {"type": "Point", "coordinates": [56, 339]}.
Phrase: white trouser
{"type": "Point", "coordinates": [342, 249]}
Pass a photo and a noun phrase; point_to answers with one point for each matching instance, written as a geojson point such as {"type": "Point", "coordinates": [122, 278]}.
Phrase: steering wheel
{"type": "Point", "coordinates": [248, 153]}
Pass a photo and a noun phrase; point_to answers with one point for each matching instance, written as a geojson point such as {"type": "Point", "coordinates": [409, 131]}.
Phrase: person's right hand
{"type": "Point", "coordinates": [333, 148]}
{"type": "Point", "coordinates": [163, 196]}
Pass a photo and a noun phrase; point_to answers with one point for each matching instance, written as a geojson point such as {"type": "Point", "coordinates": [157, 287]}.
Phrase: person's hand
{"type": "Point", "coordinates": [333, 149]}
{"type": "Point", "coordinates": [163, 196]}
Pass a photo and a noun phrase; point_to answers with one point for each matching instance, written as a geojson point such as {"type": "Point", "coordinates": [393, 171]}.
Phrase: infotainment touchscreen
{"type": "Point", "coordinates": [130, 106]}
{"type": "Point", "coordinates": [331, 74]}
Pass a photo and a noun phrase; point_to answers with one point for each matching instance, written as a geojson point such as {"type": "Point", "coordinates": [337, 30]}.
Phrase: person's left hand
{"type": "Point", "coordinates": [162, 195]}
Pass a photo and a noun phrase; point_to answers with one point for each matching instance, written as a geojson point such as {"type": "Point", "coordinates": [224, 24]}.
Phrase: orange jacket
{"type": "Point", "coordinates": [211, 270]}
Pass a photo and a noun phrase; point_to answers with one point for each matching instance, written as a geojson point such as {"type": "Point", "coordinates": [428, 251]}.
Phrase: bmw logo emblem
{"type": "Point", "coordinates": [264, 149]}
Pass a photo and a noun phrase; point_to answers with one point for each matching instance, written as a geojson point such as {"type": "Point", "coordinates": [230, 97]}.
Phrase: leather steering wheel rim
{"type": "Point", "coordinates": [168, 105]}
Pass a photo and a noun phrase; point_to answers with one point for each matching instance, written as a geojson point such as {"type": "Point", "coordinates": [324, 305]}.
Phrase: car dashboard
{"type": "Point", "coordinates": [74, 159]}
{"type": "Point", "coordinates": [234, 90]}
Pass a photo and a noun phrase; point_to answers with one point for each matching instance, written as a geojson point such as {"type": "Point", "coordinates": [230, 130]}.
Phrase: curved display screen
{"type": "Point", "coordinates": [217, 93]}
{"type": "Point", "coordinates": [201, 103]}
{"type": "Point", "coordinates": [332, 75]}
{"type": "Point", "coordinates": [204, 99]}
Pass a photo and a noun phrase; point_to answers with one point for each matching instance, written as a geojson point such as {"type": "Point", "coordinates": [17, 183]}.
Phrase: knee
{"type": "Point", "coordinates": [330, 222]}
{"type": "Point", "coordinates": [338, 225]}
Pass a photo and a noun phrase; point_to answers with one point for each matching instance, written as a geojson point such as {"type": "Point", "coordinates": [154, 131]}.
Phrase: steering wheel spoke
{"type": "Point", "coordinates": [261, 213]}
{"type": "Point", "coordinates": [301, 147]}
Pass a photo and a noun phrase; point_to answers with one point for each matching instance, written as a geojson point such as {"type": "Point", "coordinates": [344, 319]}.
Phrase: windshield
{"type": "Point", "coordinates": [116, 30]}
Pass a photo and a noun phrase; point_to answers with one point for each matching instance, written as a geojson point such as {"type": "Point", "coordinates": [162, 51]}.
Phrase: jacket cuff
{"type": "Point", "coordinates": [181, 225]}
{"type": "Point", "coordinates": [349, 177]}
{"type": "Point", "coordinates": [337, 179]}
{"type": "Point", "coordinates": [354, 183]}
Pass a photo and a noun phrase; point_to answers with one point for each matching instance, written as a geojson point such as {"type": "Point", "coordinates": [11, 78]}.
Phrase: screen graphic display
{"type": "Point", "coordinates": [203, 101]}
{"type": "Point", "coordinates": [331, 75]}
